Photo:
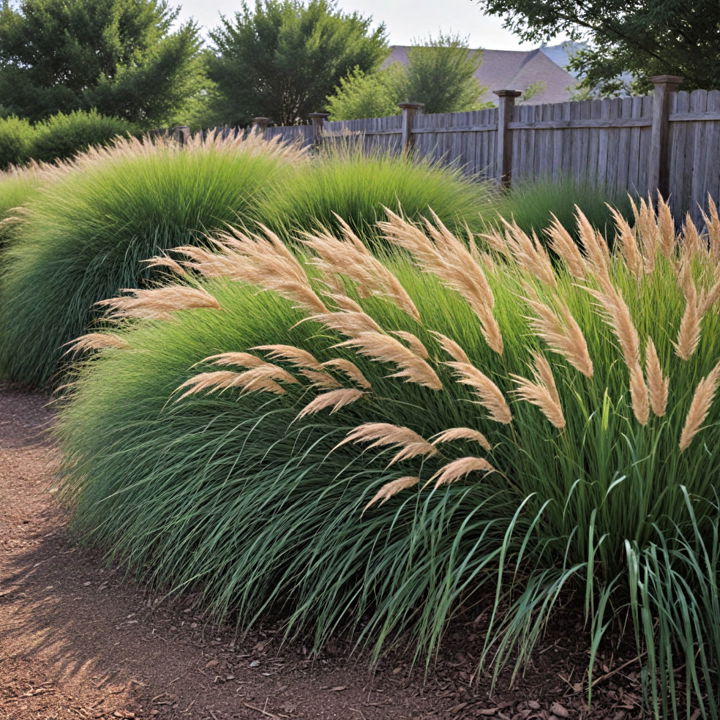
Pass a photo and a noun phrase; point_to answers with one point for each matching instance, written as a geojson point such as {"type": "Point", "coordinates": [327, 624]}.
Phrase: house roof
{"type": "Point", "coordinates": [516, 70]}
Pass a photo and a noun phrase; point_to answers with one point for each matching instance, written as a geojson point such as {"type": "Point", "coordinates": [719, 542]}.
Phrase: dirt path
{"type": "Point", "coordinates": [79, 640]}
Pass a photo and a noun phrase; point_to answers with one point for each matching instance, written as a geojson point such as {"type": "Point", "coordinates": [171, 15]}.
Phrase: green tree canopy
{"type": "Point", "coordinates": [642, 38]}
{"type": "Point", "coordinates": [119, 57]}
{"type": "Point", "coordinates": [440, 73]}
{"type": "Point", "coordinates": [281, 58]}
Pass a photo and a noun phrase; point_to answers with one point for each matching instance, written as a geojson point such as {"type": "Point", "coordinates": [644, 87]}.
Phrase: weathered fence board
{"type": "Point", "coordinates": [669, 141]}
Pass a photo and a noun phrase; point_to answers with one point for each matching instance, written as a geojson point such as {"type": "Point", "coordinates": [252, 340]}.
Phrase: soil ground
{"type": "Point", "coordinates": [78, 639]}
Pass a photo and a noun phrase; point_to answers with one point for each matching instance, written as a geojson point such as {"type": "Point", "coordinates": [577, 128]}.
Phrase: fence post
{"type": "Point", "coordinates": [506, 103]}
{"type": "Point", "coordinates": [259, 125]}
{"type": "Point", "coordinates": [181, 134]}
{"type": "Point", "coordinates": [659, 157]}
{"type": "Point", "coordinates": [318, 121]}
{"type": "Point", "coordinates": [409, 110]}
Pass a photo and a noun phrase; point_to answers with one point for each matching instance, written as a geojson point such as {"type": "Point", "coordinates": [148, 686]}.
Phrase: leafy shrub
{"type": "Point", "coordinates": [367, 95]}
{"type": "Point", "coordinates": [63, 135]}
{"type": "Point", "coordinates": [17, 187]}
{"type": "Point", "coordinates": [531, 204]}
{"type": "Point", "coordinates": [16, 138]}
{"type": "Point", "coordinates": [356, 187]}
{"type": "Point", "coordinates": [85, 235]}
{"type": "Point", "coordinates": [484, 428]}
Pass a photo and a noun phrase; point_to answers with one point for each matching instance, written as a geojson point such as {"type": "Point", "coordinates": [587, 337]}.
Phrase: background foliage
{"type": "Point", "coordinates": [119, 57]}
{"type": "Point", "coordinates": [644, 38]}
{"type": "Point", "coordinates": [281, 58]}
{"type": "Point", "coordinates": [440, 74]}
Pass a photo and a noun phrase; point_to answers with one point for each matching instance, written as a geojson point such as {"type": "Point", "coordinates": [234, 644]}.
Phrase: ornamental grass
{"type": "Point", "coordinates": [84, 234]}
{"type": "Point", "coordinates": [375, 444]}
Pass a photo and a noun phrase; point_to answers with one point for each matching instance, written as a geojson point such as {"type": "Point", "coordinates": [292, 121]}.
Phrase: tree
{"type": "Point", "coordinates": [282, 58]}
{"type": "Point", "coordinates": [119, 57]}
{"type": "Point", "coordinates": [440, 74]}
{"type": "Point", "coordinates": [642, 38]}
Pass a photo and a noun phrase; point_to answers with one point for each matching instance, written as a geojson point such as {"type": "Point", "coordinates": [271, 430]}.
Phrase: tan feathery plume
{"type": "Point", "coordinates": [639, 395]}
{"type": "Point", "coordinates": [712, 226]}
{"type": "Point", "coordinates": [383, 348]}
{"type": "Point", "coordinates": [159, 303]}
{"type": "Point", "coordinates": [334, 399]}
{"type": "Point", "coordinates": [488, 394]}
{"type": "Point", "coordinates": [392, 488]}
{"type": "Point", "coordinates": [529, 253]}
{"type": "Point", "coordinates": [239, 359]}
{"type": "Point", "coordinates": [295, 355]}
{"type": "Point", "coordinates": [346, 323]}
{"type": "Point", "coordinates": [560, 331]}
{"type": "Point", "coordinates": [462, 433]}
{"type": "Point", "coordinates": [343, 302]}
{"type": "Point", "coordinates": [665, 228]}
{"type": "Point", "coordinates": [563, 245]}
{"type": "Point", "coordinates": [542, 392]}
{"type": "Point", "coordinates": [496, 242]}
{"type": "Point", "coordinates": [647, 232]}
{"type": "Point", "coordinates": [164, 261]}
{"type": "Point", "coordinates": [452, 348]}
{"type": "Point", "coordinates": [458, 469]}
{"type": "Point", "coordinates": [692, 243]}
{"type": "Point", "coordinates": [616, 314]}
{"type": "Point", "coordinates": [351, 370]}
{"type": "Point", "coordinates": [97, 341]}
{"type": "Point", "coordinates": [260, 259]}
{"type": "Point", "coordinates": [320, 379]}
{"type": "Point", "coordinates": [410, 444]}
{"type": "Point", "coordinates": [710, 296]}
{"type": "Point", "coordinates": [446, 257]}
{"type": "Point", "coordinates": [413, 342]}
{"type": "Point", "coordinates": [689, 331]}
{"type": "Point", "coordinates": [627, 242]}
{"type": "Point", "coordinates": [595, 246]}
{"type": "Point", "coordinates": [264, 378]}
{"type": "Point", "coordinates": [699, 407]}
{"type": "Point", "coordinates": [658, 384]}
{"type": "Point", "coordinates": [351, 258]}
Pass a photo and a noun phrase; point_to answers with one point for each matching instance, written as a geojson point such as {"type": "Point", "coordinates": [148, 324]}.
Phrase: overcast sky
{"type": "Point", "coordinates": [404, 19]}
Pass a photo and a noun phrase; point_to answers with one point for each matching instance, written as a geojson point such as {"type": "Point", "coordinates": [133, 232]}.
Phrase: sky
{"type": "Point", "coordinates": [405, 19]}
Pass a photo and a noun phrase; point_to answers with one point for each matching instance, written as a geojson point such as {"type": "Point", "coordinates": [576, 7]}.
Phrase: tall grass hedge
{"type": "Point", "coordinates": [17, 187]}
{"type": "Point", "coordinates": [355, 186]}
{"type": "Point", "coordinates": [374, 445]}
{"type": "Point", "coordinates": [533, 203]}
{"type": "Point", "coordinates": [85, 235]}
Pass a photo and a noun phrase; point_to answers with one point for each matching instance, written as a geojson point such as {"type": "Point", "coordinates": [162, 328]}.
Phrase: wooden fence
{"type": "Point", "coordinates": [668, 141]}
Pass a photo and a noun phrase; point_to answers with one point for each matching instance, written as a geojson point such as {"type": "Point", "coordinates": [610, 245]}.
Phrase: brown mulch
{"type": "Point", "coordinates": [78, 639]}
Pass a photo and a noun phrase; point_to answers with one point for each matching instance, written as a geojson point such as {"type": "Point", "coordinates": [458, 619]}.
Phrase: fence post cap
{"type": "Point", "coordinates": [666, 79]}
{"type": "Point", "coordinates": [507, 93]}
{"type": "Point", "coordinates": [261, 120]}
{"type": "Point", "coordinates": [411, 105]}
{"type": "Point", "coordinates": [318, 115]}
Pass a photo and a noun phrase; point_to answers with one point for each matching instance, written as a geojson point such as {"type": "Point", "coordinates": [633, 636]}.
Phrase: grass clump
{"type": "Point", "coordinates": [471, 426]}
{"type": "Point", "coordinates": [17, 187]}
{"type": "Point", "coordinates": [343, 182]}
{"type": "Point", "coordinates": [85, 235]}
{"type": "Point", "coordinates": [531, 204]}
